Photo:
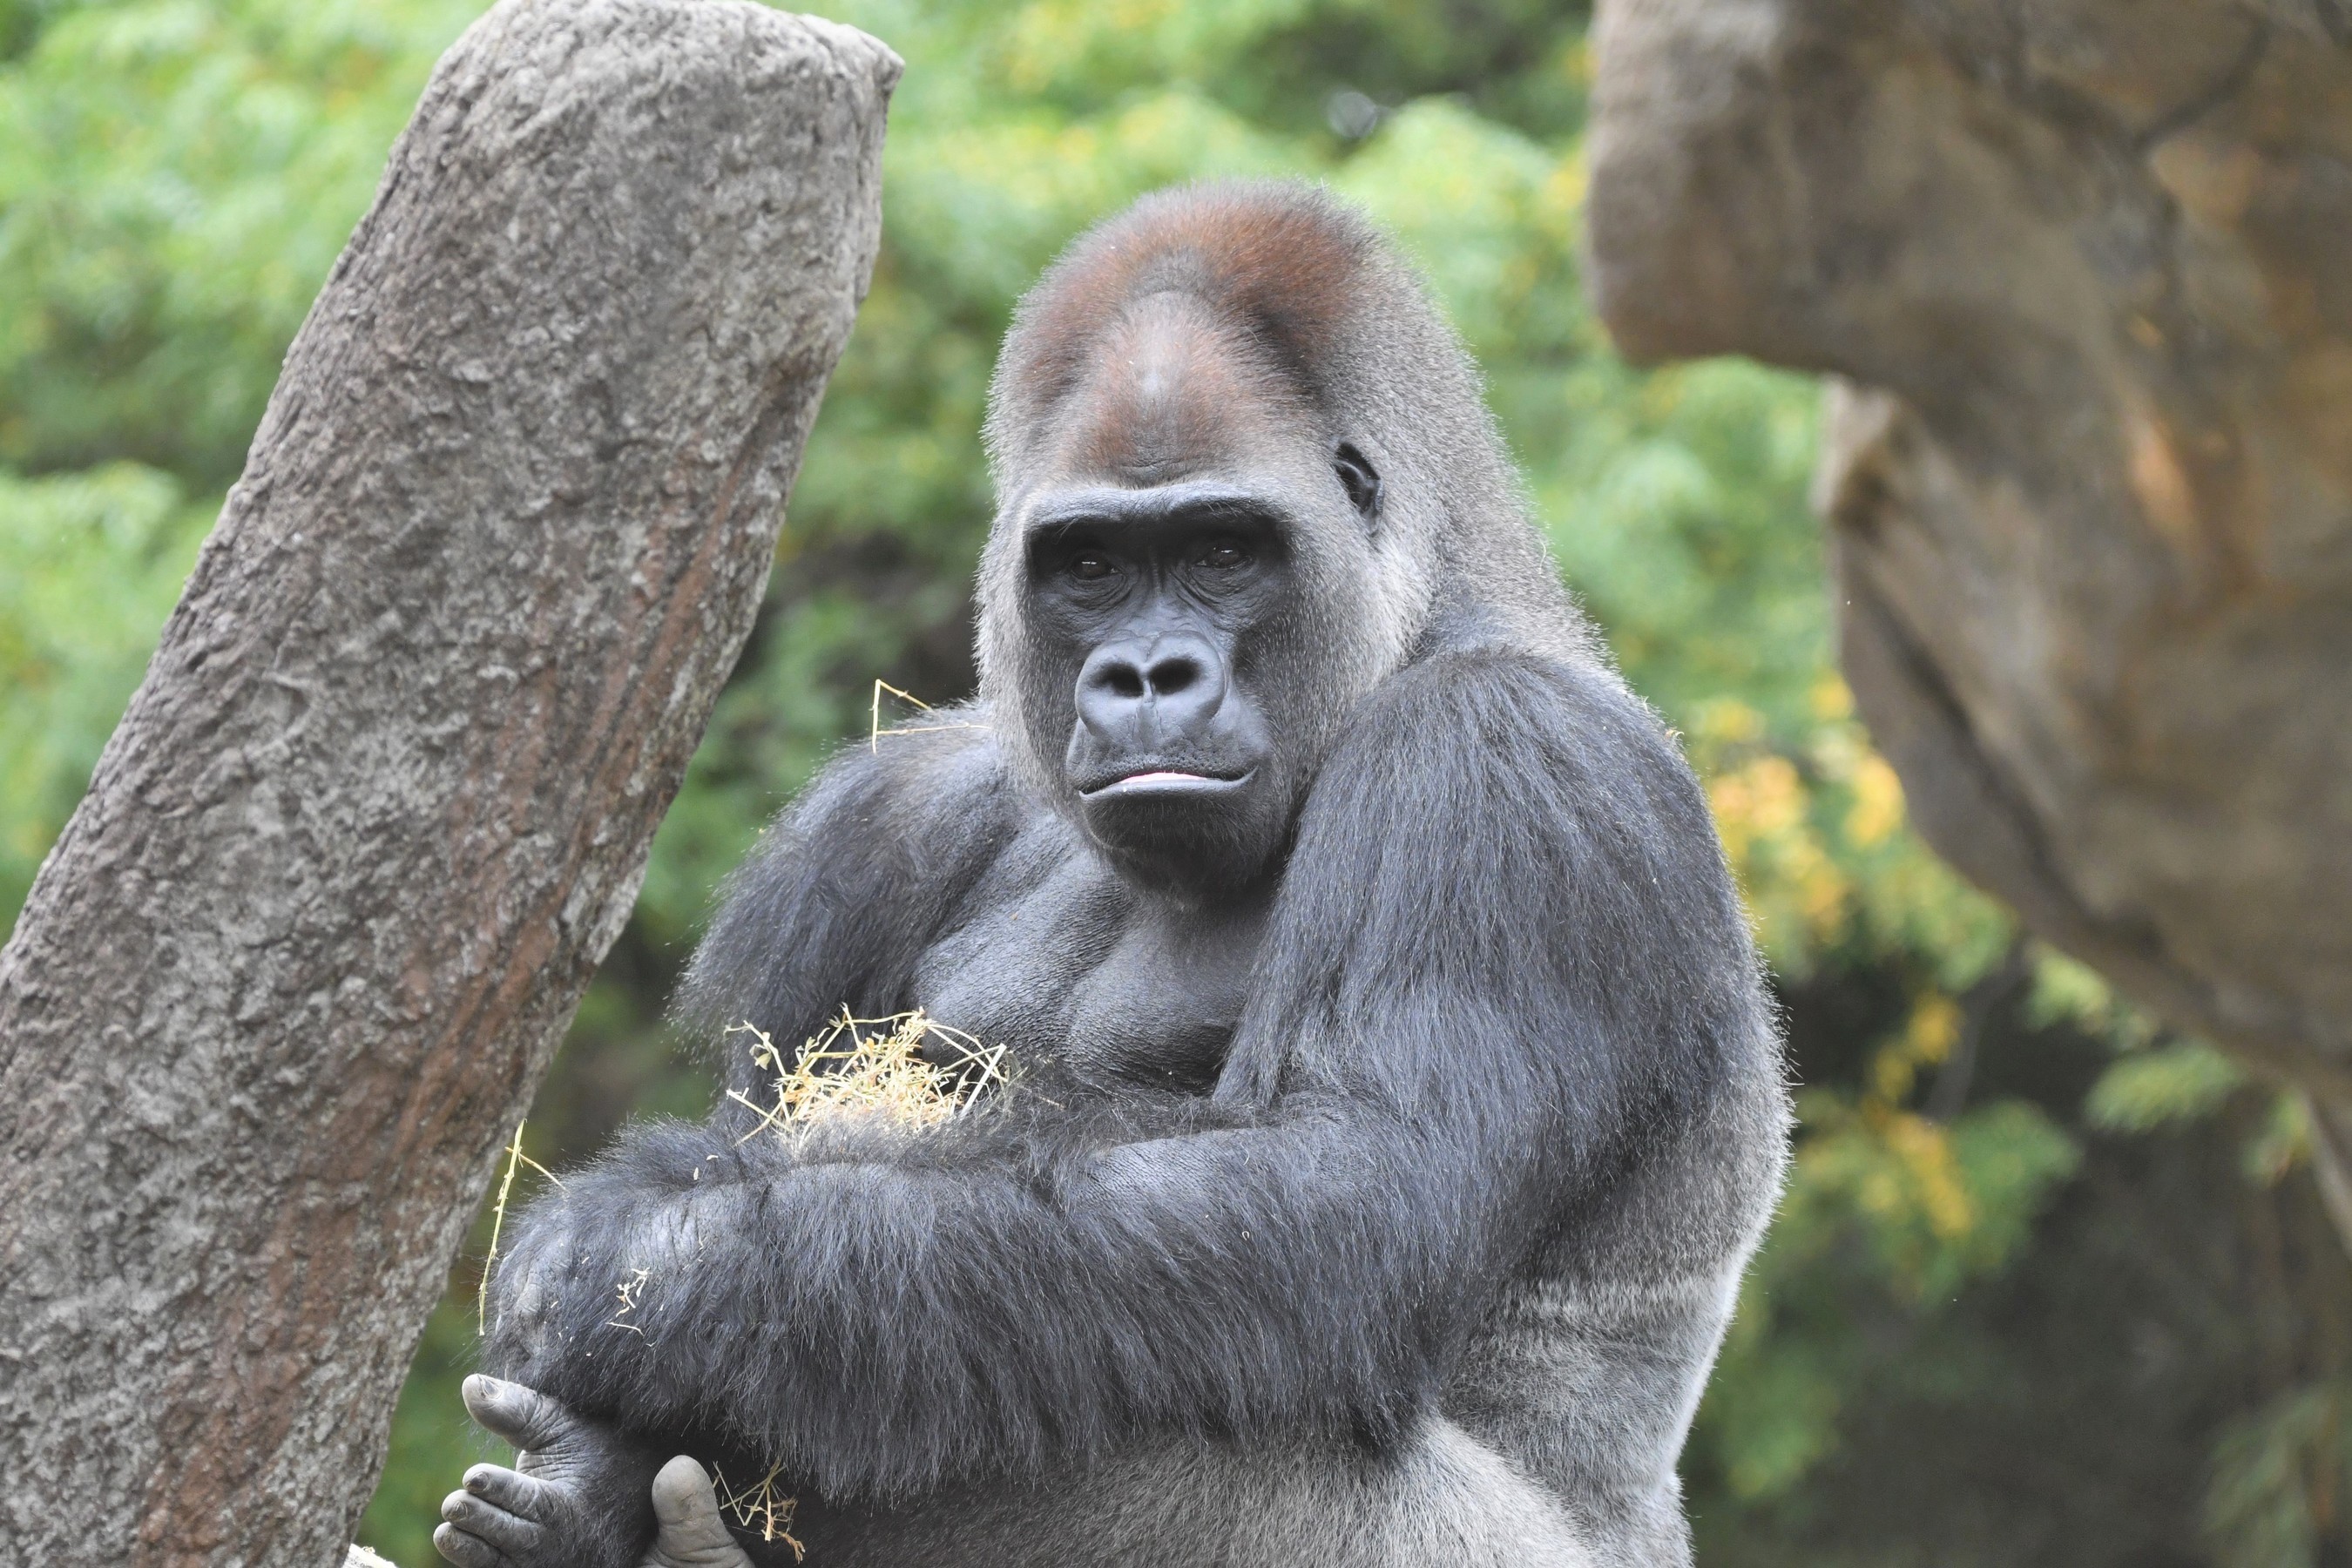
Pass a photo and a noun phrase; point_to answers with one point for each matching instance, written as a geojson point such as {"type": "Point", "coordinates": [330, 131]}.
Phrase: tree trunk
{"type": "Point", "coordinates": [2088, 266]}
{"type": "Point", "coordinates": [384, 800]}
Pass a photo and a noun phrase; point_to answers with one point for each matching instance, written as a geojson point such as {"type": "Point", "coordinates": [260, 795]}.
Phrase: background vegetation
{"type": "Point", "coordinates": [2050, 1287]}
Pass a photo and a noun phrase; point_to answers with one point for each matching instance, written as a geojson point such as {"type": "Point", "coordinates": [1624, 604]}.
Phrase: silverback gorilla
{"type": "Point", "coordinates": [1397, 1101]}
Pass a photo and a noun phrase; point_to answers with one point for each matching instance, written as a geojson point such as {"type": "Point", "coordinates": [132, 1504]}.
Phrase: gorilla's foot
{"type": "Point", "coordinates": [574, 1499]}
{"type": "Point", "coordinates": [692, 1534]}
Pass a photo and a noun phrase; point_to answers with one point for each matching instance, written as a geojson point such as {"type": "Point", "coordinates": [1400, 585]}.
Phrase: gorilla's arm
{"type": "Point", "coordinates": [1505, 944]}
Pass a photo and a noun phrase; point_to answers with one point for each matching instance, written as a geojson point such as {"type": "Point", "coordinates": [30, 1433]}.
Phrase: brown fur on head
{"type": "Point", "coordinates": [1283, 265]}
{"type": "Point", "coordinates": [1248, 329]}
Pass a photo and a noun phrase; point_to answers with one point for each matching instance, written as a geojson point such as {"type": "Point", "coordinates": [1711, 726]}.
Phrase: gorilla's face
{"type": "Point", "coordinates": [1190, 602]}
{"type": "Point", "coordinates": [1152, 602]}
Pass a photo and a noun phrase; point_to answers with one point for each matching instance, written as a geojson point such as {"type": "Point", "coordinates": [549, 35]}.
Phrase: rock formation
{"type": "Point", "coordinates": [2084, 270]}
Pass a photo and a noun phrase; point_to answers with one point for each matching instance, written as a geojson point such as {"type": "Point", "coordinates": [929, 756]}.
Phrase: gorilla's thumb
{"type": "Point", "coordinates": [692, 1534]}
{"type": "Point", "coordinates": [523, 1416]}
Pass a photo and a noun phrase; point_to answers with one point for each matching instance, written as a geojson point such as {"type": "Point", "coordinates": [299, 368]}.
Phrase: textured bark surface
{"type": "Point", "coordinates": [2088, 266]}
{"type": "Point", "coordinates": [384, 798]}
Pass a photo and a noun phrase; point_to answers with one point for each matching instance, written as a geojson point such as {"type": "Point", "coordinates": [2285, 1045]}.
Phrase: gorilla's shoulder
{"type": "Point", "coordinates": [940, 771]}
{"type": "Point", "coordinates": [1527, 760]}
{"type": "Point", "coordinates": [1539, 716]}
{"type": "Point", "coordinates": [840, 896]}
{"type": "Point", "coordinates": [917, 811]}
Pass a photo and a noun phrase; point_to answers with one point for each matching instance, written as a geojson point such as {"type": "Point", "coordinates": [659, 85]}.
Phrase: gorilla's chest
{"type": "Point", "coordinates": [1087, 983]}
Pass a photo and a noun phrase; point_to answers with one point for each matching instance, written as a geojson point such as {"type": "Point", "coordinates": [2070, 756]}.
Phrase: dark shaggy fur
{"type": "Point", "coordinates": [1377, 1196]}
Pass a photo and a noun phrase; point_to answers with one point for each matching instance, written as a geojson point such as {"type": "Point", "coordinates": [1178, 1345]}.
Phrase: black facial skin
{"type": "Point", "coordinates": [1396, 1096]}
{"type": "Point", "coordinates": [1149, 600]}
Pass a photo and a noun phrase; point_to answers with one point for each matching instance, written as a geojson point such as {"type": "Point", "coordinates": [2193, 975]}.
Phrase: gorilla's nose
{"type": "Point", "coordinates": [1139, 697]}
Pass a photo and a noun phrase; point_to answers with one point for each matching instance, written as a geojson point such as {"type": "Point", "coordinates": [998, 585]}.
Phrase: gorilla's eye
{"type": "Point", "coordinates": [1088, 566]}
{"type": "Point", "coordinates": [1357, 478]}
{"type": "Point", "coordinates": [1224, 555]}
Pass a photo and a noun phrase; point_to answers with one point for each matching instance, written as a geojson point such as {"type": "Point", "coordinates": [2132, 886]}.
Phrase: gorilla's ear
{"type": "Point", "coordinates": [1357, 478]}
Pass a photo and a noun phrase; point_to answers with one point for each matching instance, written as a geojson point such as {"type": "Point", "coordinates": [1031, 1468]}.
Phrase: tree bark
{"type": "Point", "coordinates": [2086, 267]}
{"type": "Point", "coordinates": [384, 800]}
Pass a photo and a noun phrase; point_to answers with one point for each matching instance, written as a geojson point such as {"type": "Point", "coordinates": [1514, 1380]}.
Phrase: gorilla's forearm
{"type": "Point", "coordinates": [880, 1326]}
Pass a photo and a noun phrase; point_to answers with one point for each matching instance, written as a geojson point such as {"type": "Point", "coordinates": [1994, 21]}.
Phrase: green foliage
{"type": "Point", "coordinates": [2182, 1082]}
{"type": "Point", "coordinates": [89, 565]}
{"type": "Point", "coordinates": [177, 175]}
{"type": "Point", "coordinates": [175, 179]}
{"type": "Point", "coordinates": [1886, 1209]}
{"type": "Point", "coordinates": [2277, 1472]}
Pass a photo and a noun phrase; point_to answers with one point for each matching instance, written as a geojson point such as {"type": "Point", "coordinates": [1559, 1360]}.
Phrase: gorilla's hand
{"type": "Point", "coordinates": [577, 1498]}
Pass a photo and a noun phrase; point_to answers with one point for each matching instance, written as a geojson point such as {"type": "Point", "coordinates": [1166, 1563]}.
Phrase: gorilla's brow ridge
{"type": "Point", "coordinates": [1205, 500]}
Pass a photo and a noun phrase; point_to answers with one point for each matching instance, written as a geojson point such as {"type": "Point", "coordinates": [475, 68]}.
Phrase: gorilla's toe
{"type": "Point", "coordinates": [509, 1535]}
{"type": "Point", "coordinates": [467, 1551]}
{"type": "Point", "coordinates": [523, 1416]}
{"type": "Point", "coordinates": [692, 1534]}
{"type": "Point", "coordinates": [517, 1494]}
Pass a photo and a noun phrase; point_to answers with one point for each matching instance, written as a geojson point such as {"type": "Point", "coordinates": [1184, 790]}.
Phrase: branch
{"type": "Point", "coordinates": [384, 800]}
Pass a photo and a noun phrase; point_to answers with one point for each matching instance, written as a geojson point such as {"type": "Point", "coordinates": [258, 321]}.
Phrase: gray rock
{"type": "Point", "coordinates": [2086, 269]}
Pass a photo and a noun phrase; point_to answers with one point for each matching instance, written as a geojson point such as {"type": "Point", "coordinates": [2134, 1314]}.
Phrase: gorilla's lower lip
{"type": "Point", "coordinates": [1166, 781]}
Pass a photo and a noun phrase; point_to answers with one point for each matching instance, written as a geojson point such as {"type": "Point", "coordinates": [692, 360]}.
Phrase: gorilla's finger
{"type": "Point", "coordinates": [466, 1551]}
{"type": "Point", "coordinates": [692, 1534]}
{"type": "Point", "coordinates": [486, 1521]}
{"type": "Point", "coordinates": [523, 1416]}
{"type": "Point", "coordinates": [517, 1493]}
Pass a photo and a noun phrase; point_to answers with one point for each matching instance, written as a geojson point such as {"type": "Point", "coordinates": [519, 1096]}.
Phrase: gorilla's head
{"type": "Point", "coordinates": [1243, 474]}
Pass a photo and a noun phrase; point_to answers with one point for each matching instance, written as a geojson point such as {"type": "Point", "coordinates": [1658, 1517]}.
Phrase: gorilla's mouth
{"type": "Point", "coordinates": [1166, 782]}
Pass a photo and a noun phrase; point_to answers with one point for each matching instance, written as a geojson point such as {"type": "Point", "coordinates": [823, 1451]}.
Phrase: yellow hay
{"type": "Point", "coordinates": [515, 1156]}
{"type": "Point", "coordinates": [760, 1506]}
{"type": "Point", "coordinates": [875, 731]}
{"type": "Point", "coordinates": [861, 1067]}
{"type": "Point", "coordinates": [856, 1067]}
{"type": "Point", "coordinates": [628, 1294]}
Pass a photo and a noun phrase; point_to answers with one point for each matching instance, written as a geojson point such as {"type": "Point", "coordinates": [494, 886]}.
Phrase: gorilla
{"type": "Point", "coordinates": [1397, 1098]}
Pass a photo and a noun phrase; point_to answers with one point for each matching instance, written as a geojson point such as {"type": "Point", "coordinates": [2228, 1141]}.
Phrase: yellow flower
{"type": "Point", "coordinates": [1877, 801]}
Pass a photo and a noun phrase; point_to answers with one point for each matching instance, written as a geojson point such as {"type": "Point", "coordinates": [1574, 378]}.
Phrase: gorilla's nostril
{"type": "Point", "coordinates": [1170, 675]}
{"type": "Point", "coordinates": [1123, 679]}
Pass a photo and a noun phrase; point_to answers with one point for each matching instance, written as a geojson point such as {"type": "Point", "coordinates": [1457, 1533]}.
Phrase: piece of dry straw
{"type": "Point", "coordinates": [515, 1157]}
{"type": "Point", "coordinates": [762, 1506]}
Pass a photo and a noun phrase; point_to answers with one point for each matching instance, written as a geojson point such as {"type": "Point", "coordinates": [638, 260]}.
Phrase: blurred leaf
{"type": "Point", "coordinates": [2149, 1089]}
{"type": "Point", "coordinates": [2276, 1472]}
